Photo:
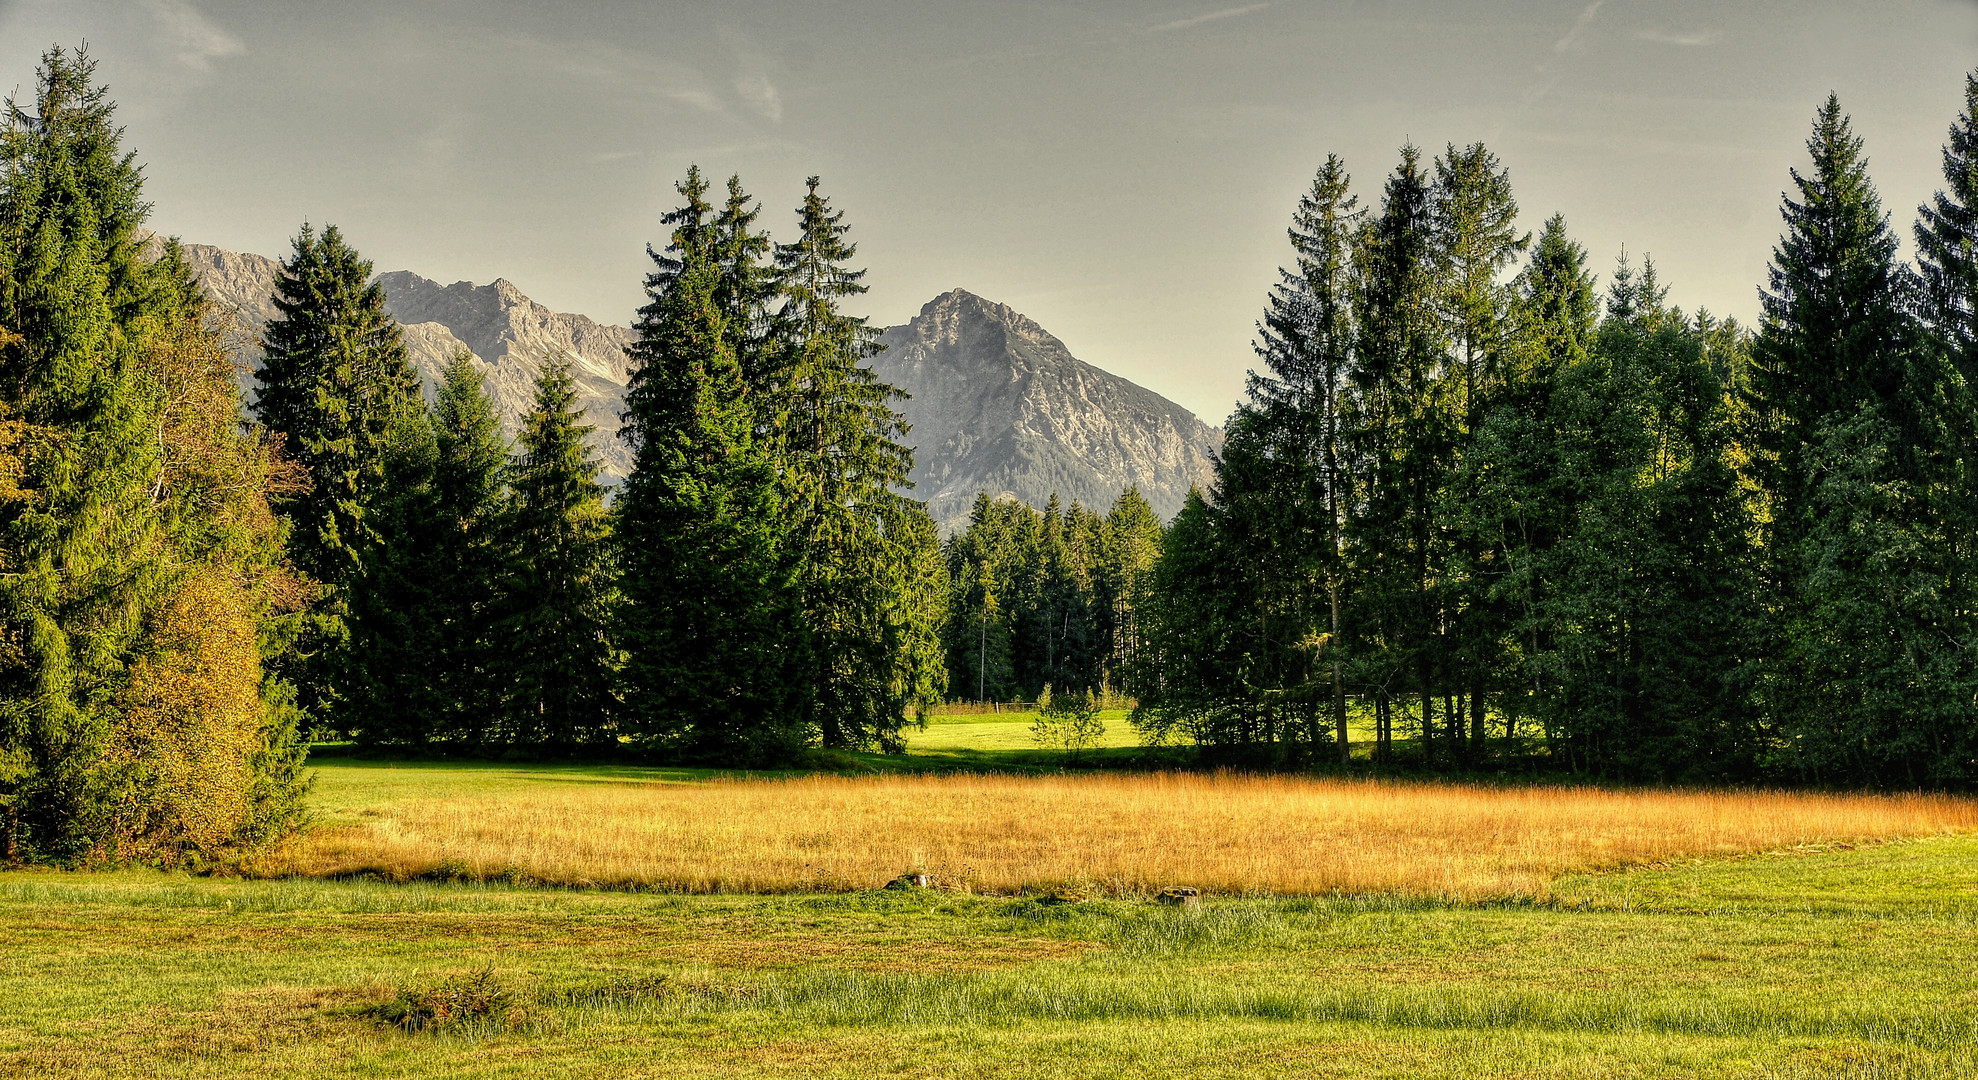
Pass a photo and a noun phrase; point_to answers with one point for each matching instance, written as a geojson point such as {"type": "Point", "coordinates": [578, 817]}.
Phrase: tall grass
{"type": "Point", "coordinates": [1113, 835]}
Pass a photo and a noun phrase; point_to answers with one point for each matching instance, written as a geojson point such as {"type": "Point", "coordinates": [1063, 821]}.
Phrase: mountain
{"type": "Point", "coordinates": [509, 334]}
{"type": "Point", "coordinates": [997, 404]}
{"type": "Point", "coordinates": [1000, 405]}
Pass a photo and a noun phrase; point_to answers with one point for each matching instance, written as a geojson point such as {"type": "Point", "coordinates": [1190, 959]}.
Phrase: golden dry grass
{"type": "Point", "coordinates": [1120, 835]}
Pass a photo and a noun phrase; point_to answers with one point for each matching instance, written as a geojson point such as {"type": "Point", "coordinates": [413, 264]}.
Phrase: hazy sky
{"type": "Point", "coordinates": [1121, 172]}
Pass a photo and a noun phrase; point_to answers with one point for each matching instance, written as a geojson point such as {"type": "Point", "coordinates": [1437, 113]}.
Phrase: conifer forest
{"type": "Point", "coordinates": [1486, 507]}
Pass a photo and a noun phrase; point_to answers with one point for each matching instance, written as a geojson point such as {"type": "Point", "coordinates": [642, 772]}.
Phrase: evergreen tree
{"type": "Point", "coordinates": [1845, 406]}
{"type": "Point", "coordinates": [1399, 433]}
{"type": "Point", "coordinates": [840, 465]}
{"type": "Point", "coordinates": [1521, 500]}
{"type": "Point", "coordinates": [1129, 546]}
{"type": "Point", "coordinates": [558, 663]}
{"type": "Point", "coordinates": [144, 581]}
{"type": "Point", "coordinates": [1287, 444]}
{"type": "Point", "coordinates": [421, 618]}
{"type": "Point", "coordinates": [336, 384]}
{"type": "Point", "coordinates": [1476, 238]}
{"type": "Point", "coordinates": [1947, 243]}
{"type": "Point", "coordinates": [389, 675]}
{"type": "Point", "coordinates": [470, 469]}
{"type": "Point", "coordinates": [700, 522]}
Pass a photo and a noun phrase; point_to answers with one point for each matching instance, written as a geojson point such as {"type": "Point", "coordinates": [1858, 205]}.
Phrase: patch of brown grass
{"type": "Point", "coordinates": [1124, 835]}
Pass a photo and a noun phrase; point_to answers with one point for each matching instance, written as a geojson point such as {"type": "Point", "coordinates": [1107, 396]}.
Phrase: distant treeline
{"type": "Point", "coordinates": [1654, 544]}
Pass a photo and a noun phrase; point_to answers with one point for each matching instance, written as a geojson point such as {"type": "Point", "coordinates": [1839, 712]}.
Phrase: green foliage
{"type": "Point", "coordinates": [700, 520]}
{"type": "Point", "coordinates": [557, 663]}
{"type": "Point", "coordinates": [858, 551]}
{"type": "Point", "coordinates": [1068, 722]}
{"type": "Point", "coordinates": [1051, 597]}
{"type": "Point", "coordinates": [338, 388]}
{"type": "Point", "coordinates": [1651, 544]}
{"type": "Point", "coordinates": [144, 579]}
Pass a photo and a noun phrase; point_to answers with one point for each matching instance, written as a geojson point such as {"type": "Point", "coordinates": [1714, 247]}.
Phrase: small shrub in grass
{"type": "Point", "coordinates": [480, 1001]}
{"type": "Point", "coordinates": [1068, 722]}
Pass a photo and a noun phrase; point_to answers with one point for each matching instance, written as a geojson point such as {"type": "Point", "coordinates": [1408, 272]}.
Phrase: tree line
{"type": "Point", "coordinates": [1497, 511]}
{"type": "Point", "coordinates": [756, 586]}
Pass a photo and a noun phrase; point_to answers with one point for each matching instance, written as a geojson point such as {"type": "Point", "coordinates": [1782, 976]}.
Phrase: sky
{"type": "Point", "coordinates": [1121, 172]}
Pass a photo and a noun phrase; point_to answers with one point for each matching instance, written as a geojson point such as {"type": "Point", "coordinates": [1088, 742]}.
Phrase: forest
{"type": "Point", "coordinates": [1502, 515]}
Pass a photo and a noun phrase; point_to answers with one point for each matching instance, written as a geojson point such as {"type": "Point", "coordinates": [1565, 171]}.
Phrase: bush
{"type": "Point", "coordinates": [478, 1001]}
{"type": "Point", "coordinates": [1067, 722]}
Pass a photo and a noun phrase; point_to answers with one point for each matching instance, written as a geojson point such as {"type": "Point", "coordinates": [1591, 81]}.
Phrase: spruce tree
{"type": "Point", "coordinates": [1129, 546]}
{"type": "Point", "coordinates": [144, 570]}
{"type": "Point", "coordinates": [388, 673]}
{"type": "Point", "coordinates": [470, 469]}
{"type": "Point", "coordinates": [1865, 636]}
{"type": "Point", "coordinates": [1476, 239]}
{"type": "Point", "coordinates": [706, 584]}
{"type": "Point", "coordinates": [1521, 496]}
{"type": "Point", "coordinates": [1947, 243]}
{"type": "Point", "coordinates": [1296, 412]}
{"type": "Point", "coordinates": [1400, 434]}
{"type": "Point", "coordinates": [840, 465]}
{"type": "Point", "coordinates": [557, 662]}
{"type": "Point", "coordinates": [335, 385]}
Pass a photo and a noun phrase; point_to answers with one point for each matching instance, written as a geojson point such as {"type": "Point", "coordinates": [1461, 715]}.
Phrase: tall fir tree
{"type": "Point", "coordinates": [466, 536]}
{"type": "Point", "coordinates": [840, 464]}
{"type": "Point", "coordinates": [144, 580]}
{"type": "Point", "coordinates": [1521, 499]}
{"type": "Point", "coordinates": [1947, 243]}
{"type": "Point", "coordinates": [1400, 435]}
{"type": "Point", "coordinates": [1290, 434]}
{"type": "Point", "coordinates": [335, 385]}
{"type": "Point", "coordinates": [700, 522]}
{"type": "Point", "coordinates": [1476, 239]}
{"type": "Point", "coordinates": [557, 661]}
{"type": "Point", "coordinates": [1865, 677]}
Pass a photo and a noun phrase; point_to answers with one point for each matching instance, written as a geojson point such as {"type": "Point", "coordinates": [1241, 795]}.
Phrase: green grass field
{"type": "Point", "coordinates": [1838, 963]}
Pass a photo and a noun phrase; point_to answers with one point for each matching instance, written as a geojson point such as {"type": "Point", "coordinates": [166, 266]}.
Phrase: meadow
{"type": "Point", "coordinates": [1349, 929]}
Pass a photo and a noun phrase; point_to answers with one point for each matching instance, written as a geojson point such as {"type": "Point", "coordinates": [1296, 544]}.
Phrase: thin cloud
{"type": "Point", "coordinates": [1197, 20]}
{"type": "Point", "coordinates": [752, 83]}
{"type": "Point", "coordinates": [1692, 40]}
{"type": "Point", "coordinates": [760, 95]}
{"type": "Point", "coordinates": [1576, 37]}
{"type": "Point", "coordinates": [197, 42]}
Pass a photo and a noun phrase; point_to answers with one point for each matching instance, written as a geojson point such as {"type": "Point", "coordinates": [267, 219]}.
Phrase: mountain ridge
{"type": "Point", "coordinates": [996, 402]}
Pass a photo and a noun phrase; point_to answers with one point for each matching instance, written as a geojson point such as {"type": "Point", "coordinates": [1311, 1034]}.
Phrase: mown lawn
{"type": "Point", "coordinates": [1845, 962]}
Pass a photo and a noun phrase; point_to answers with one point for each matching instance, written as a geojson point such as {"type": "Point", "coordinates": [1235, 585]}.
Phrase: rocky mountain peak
{"type": "Point", "coordinates": [998, 403]}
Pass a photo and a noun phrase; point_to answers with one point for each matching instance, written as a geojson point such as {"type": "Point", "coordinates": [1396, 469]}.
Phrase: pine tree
{"type": "Point", "coordinates": [1129, 546]}
{"type": "Point", "coordinates": [389, 677]}
{"type": "Point", "coordinates": [144, 579]}
{"type": "Point", "coordinates": [1866, 642]}
{"type": "Point", "coordinates": [557, 659]}
{"type": "Point", "coordinates": [335, 385]}
{"type": "Point", "coordinates": [1476, 238]}
{"type": "Point", "coordinates": [1522, 501]}
{"type": "Point", "coordinates": [1947, 243]}
{"type": "Point", "coordinates": [840, 466]}
{"type": "Point", "coordinates": [700, 529]}
{"type": "Point", "coordinates": [470, 467]}
{"type": "Point", "coordinates": [1296, 413]}
{"type": "Point", "coordinates": [1833, 338]}
{"type": "Point", "coordinates": [1399, 433]}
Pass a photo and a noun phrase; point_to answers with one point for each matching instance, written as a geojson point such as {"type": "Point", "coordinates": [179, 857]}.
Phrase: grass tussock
{"type": "Point", "coordinates": [1110, 835]}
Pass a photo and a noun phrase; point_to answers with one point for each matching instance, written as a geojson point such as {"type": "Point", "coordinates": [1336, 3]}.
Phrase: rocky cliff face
{"type": "Point", "coordinates": [1000, 405]}
{"type": "Point", "coordinates": [509, 335]}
